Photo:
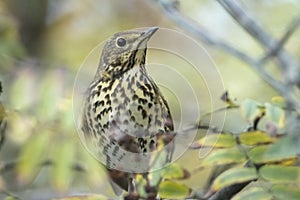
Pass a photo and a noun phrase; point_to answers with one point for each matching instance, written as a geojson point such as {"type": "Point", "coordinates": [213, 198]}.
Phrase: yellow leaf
{"type": "Point", "coordinates": [215, 140]}
{"type": "Point", "coordinates": [173, 190]}
{"type": "Point", "coordinates": [255, 138]}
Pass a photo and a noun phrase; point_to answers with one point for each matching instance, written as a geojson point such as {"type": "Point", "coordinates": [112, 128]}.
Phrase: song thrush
{"type": "Point", "coordinates": [125, 115]}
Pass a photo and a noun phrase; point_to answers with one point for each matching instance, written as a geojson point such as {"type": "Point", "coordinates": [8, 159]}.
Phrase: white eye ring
{"type": "Point", "coordinates": [121, 42]}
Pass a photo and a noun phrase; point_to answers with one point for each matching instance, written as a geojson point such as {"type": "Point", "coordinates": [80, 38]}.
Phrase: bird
{"type": "Point", "coordinates": [125, 115]}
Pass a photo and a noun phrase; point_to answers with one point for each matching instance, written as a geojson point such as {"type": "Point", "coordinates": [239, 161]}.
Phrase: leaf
{"type": "Point", "coordinates": [253, 193]}
{"type": "Point", "coordinates": [278, 101]}
{"type": "Point", "coordinates": [250, 109]}
{"type": "Point", "coordinates": [289, 192]}
{"type": "Point", "coordinates": [215, 140]}
{"type": "Point", "coordinates": [255, 138]}
{"type": "Point", "coordinates": [173, 190]}
{"type": "Point", "coordinates": [256, 154]}
{"type": "Point", "coordinates": [140, 185]}
{"type": "Point", "coordinates": [284, 148]}
{"type": "Point", "coordinates": [275, 114]}
{"type": "Point", "coordinates": [175, 171]}
{"type": "Point", "coordinates": [22, 91]}
{"type": "Point", "coordinates": [63, 162]}
{"type": "Point", "coordinates": [280, 174]}
{"type": "Point", "coordinates": [95, 171]}
{"type": "Point", "coordinates": [224, 156]}
{"type": "Point", "coordinates": [49, 97]}
{"type": "Point", "coordinates": [233, 176]}
{"type": "Point", "coordinates": [31, 156]}
{"type": "Point", "coordinates": [259, 155]}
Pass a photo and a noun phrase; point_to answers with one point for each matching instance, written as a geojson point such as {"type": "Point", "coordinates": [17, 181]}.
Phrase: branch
{"type": "Point", "coordinates": [199, 32]}
{"type": "Point", "coordinates": [290, 30]}
{"type": "Point", "coordinates": [242, 16]}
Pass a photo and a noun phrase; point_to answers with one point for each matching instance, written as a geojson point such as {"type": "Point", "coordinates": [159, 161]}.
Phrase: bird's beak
{"type": "Point", "coordinates": [146, 35]}
{"type": "Point", "coordinates": [149, 32]}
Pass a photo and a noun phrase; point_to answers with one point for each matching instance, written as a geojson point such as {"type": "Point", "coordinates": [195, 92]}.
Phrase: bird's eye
{"type": "Point", "coordinates": [121, 42]}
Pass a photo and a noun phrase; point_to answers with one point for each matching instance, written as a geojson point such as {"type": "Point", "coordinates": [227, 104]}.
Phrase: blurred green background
{"type": "Point", "coordinates": [43, 43]}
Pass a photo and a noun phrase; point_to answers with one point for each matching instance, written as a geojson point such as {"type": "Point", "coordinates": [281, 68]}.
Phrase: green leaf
{"type": "Point", "coordinates": [250, 109]}
{"type": "Point", "coordinates": [256, 154]}
{"type": "Point", "coordinates": [174, 171]}
{"type": "Point", "coordinates": [216, 141]}
{"type": "Point", "coordinates": [96, 171]}
{"type": "Point", "coordinates": [22, 91]}
{"type": "Point", "coordinates": [64, 155]}
{"type": "Point", "coordinates": [32, 155]}
{"type": "Point", "coordinates": [275, 114]}
{"type": "Point", "coordinates": [233, 176]}
{"type": "Point", "coordinates": [140, 185]}
{"type": "Point", "coordinates": [253, 193]}
{"type": "Point", "coordinates": [280, 173]}
{"type": "Point", "coordinates": [255, 138]}
{"type": "Point", "coordinates": [49, 97]}
{"type": "Point", "coordinates": [289, 192]}
{"type": "Point", "coordinates": [284, 148]}
{"type": "Point", "coordinates": [224, 156]}
{"type": "Point", "coordinates": [173, 190]}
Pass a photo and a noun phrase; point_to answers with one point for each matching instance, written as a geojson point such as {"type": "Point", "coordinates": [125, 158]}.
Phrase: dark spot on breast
{"type": "Point", "coordinates": [152, 145]}
{"type": "Point", "coordinates": [144, 114]}
{"type": "Point", "coordinates": [105, 126]}
{"type": "Point", "coordinates": [139, 108]}
{"type": "Point", "coordinates": [148, 86]}
{"type": "Point", "coordinates": [134, 97]}
{"type": "Point", "coordinates": [141, 77]}
{"type": "Point", "coordinates": [126, 100]}
{"type": "Point", "coordinates": [132, 118]}
{"type": "Point", "coordinates": [115, 100]}
{"type": "Point", "coordinates": [113, 123]}
{"type": "Point", "coordinates": [126, 122]}
{"type": "Point", "coordinates": [149, 105]}
{"type": "Point", "coordinates": [98, 117]}
{"type": "Point", "coordinates": [105, 89]}
{"type": "Point", "coordinates": [142, 101]}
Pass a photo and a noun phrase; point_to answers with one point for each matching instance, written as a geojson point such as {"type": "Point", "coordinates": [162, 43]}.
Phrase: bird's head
{"type": "Point", "coordinates": [123, 51]}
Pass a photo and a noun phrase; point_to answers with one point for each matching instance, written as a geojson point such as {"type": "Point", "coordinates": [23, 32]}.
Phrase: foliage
{"type": "Point", "coordinates": [254, 154]}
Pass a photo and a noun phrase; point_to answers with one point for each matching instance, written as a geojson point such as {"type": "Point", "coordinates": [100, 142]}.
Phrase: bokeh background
{"type": "Point", "coordinates": [43, 44]}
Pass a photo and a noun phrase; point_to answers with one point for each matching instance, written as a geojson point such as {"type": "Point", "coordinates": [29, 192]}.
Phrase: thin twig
{"type": "Point", "coordinates": [243, 16]}
{"type": "Point", "coordinates": [199, 32]}
{"type": "Point", "coordinates": [290, 30]}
